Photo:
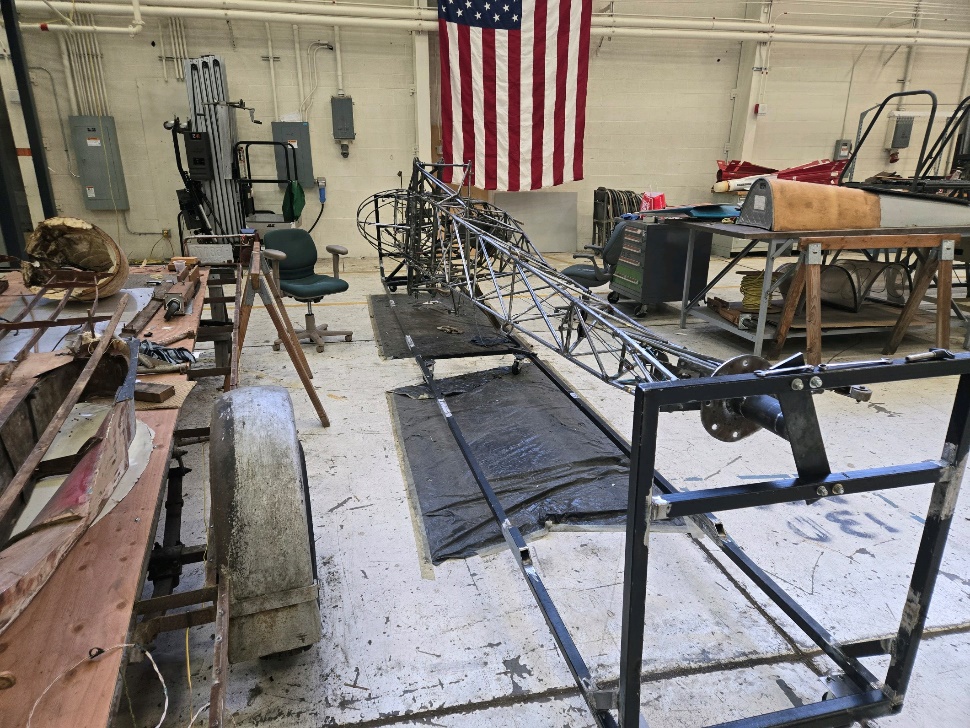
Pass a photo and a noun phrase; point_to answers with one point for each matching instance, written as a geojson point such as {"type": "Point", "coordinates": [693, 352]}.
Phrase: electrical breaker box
{"type": "Point", "coordinates": [342, 109]}
{"type": "Point", "coordinates": [899, 132]}
{"type": "Point", "coordinates": [198, 156]}
{"type": "Point", "coordinates": [102, 178]}
{"type": "Point", "coordinates": [297, 135]}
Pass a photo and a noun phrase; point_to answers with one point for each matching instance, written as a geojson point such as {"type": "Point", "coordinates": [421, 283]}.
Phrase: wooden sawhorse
{"type": "Point", "coordinates": [937, 261]}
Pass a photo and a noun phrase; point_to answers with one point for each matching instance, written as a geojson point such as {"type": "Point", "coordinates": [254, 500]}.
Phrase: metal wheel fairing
{"type": "Point", "coordinates": [259, 515]}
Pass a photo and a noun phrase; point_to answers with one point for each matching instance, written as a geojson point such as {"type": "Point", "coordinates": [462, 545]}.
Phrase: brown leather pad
{"type": "Point", "coordinates": [809, 206]}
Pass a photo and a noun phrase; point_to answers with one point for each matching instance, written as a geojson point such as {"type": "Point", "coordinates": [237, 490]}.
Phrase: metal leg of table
{"type": "Point", "coordinates": [776, 247]}
{"type": "Point", "coordinates": [685, 298]}
{"type": "Point", "coordinates": [715, 280]}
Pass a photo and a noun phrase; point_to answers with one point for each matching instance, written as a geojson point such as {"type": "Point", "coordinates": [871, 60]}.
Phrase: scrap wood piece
{"type": "Point", "coordinates": [141, 319]}
{"type": "Point", "coordinates": [723, 309]}
{"type": "Point", "coordinates": [153, 392]}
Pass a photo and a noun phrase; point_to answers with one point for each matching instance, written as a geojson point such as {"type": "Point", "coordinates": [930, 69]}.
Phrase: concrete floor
{"type": "Point", "coordinates": [462, 644]}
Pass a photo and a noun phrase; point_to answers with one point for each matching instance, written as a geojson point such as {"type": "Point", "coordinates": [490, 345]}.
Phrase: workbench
{"type": "Point", "coordinates": [781, 244]}
{"type": "Point", "coordinates": [88, 602]}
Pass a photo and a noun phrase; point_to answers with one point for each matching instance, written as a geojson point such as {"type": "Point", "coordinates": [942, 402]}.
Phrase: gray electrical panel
{"type": "Point", "coordinates": [98, 157]}
{"type": "Point", "coordinates": [899, 132]}
{"type": "Point", "coordinates": [198, 156]}
{"type": "Point", "coordinates": [342, 109]}
{"type": "Point", "coordinates": [297, 135]}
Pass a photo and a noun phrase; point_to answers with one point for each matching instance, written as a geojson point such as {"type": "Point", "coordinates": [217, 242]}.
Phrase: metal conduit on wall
{"type": "Point", "coordinates": [416, 19]}
{"type": "Point", "coordinates": [603, 20]}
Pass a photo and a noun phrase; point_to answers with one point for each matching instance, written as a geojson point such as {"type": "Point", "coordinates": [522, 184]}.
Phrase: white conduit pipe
{"type": "Point", "coordinates": [778, 37]}
{"type": "Point", "coordinates": [96, 77]}
{"type": "Point", "coordinates": [183, 44]}
{"type": "Point", "coordinates": [136, 22]}
{"type": "Point", "coordinates": [84, 49]}
{"type": "Point", "coordinates": [262, 16]}
{"type": "Point", "coordinates": [84, 105]}
{"type": "Point", "coordinates": [106, 109]}
{"type": "Point", "coordinates": [874, 36]}
{"type": "Point", "coordinates": [339, 58]}
{"type": "Point", "coordinates": [272, 72]}
{"type": "Point", "coordinates": [628, 21]}
{"type": "Point", "coordinates": [85, 46]}
{"type": "Point", "coordinates": [598, 20]}
{"type": "Point", "coordinates": [105, 29]}
{"type": "Point", "coordinates": [178, 36]}
{"type": "Point", "coordinates": [68, 74]}
{"type": "Point", "coordinates": [910, 60]}
{"type": "Point", "coordinates": [161, 42]}
{"type": "Point", "coordinates": [299, 68]}
{"type": "Point", "coordinates": [176, 60]}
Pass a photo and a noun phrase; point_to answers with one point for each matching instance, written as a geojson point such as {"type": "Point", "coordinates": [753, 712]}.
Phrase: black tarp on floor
{"type": "Point", "coordinates": [433, 328]}
{"type": "Point", "coordinates": [546, 461]}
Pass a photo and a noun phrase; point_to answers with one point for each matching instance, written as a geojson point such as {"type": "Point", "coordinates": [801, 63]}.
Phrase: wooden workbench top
{"type": "Point", "coordinates": [88, 601]}
{"type": "Point", "coordinates": [733, 230]}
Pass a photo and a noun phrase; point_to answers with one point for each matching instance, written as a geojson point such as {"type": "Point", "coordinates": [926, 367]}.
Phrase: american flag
{"type": "Point", "coordinates": [513, 90]}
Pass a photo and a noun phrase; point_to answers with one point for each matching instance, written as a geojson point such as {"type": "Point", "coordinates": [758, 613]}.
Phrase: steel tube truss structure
{"type": "Point", "coordinates": [455, 246]}
{"type": "Point", "coordinates": [460, 246]}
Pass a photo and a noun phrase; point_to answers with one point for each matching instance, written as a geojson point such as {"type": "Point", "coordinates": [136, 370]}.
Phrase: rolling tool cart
{"type": "Point", "coordinates": [652, 264]}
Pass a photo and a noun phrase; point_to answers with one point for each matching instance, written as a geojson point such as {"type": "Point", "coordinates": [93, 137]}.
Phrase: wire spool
{"type": "Point", "coordinates": [67, 242]}
{"type": "Point", "coordinates": [751, 285]}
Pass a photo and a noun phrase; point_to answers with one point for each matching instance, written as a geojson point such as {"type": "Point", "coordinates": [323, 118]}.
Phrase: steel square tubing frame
{"type": "Point", "coordinates": [653, 497]}
{"type": "Point", "coordinates": [599, 701]}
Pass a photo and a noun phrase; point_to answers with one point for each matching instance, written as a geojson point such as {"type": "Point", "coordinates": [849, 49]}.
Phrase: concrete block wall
{"type": "Point", "coordinates": [813, 97]}
{"type": "Point", "coordinates": [659, 111]}
{"type": "Point", "coordinates": [378, 75]}
{"type": "Point", "coordinates": [658, 117]}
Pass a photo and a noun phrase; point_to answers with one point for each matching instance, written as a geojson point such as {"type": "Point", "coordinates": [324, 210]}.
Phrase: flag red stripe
{"type": "Point", "coordinates": [515, 88]}
{"type": "Point", "coordinates": [447, 129]}
{"type": "Point", "coordinates": [562, 66]}
{"type": "Point", "coordinates": [482, 77]}
{"type": "Point", "coordinates": [467, 104]}
{"type": "Point", "coordinates": [491, 132]}
{"type": "Point", "coordinates": [538, 92]}
{"type": "Point", "coordinates": [582, 76]}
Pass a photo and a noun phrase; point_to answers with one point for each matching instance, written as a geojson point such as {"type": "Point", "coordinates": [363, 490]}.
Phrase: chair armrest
{"type": "Point", "coordinates": [336, 251]}
{"type": "Point", "coordinates": [274, 256]}
{"type": "Point", "coordinates": [594, 248]}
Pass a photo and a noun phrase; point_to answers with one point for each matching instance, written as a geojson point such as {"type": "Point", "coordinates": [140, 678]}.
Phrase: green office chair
{"type": "Point", "coordinates": [591, 275]}
{"type": "Point", "coordinates": [294, 273]}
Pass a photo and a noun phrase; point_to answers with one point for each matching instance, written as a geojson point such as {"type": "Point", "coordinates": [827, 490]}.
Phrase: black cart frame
{"type": "Point", "coordinates": [652, 498]}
